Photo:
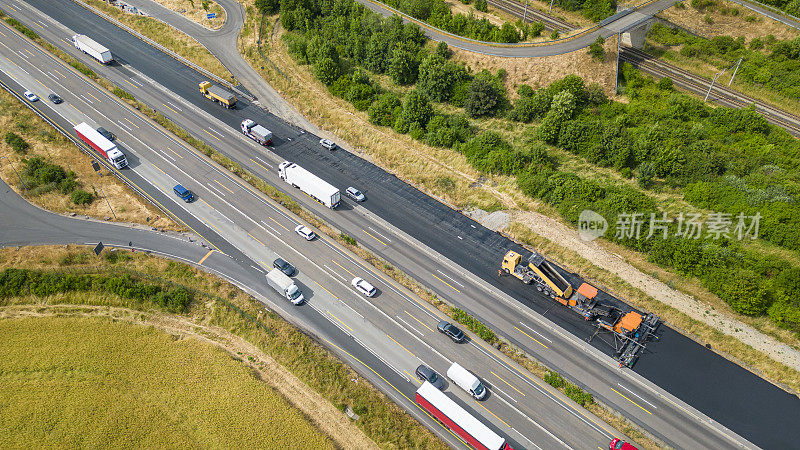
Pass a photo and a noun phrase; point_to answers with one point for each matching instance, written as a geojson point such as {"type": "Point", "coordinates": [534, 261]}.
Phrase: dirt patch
{"type": "Point", "coordinates": [727, 24]}
{"type": "Point", "coordinates": [46, 142]}
{"type": "Point", "coordinates": [196, 10]}
{"type": "Point", "coordinates": [540, 72]}
{"type": "Point", "coordinates": [321, 412]}
{"type": "Point", "coordinates": [495, 221]}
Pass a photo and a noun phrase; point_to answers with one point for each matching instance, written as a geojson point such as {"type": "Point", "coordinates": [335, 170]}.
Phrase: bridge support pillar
{"type": "Point", "coordinates": [634, 37]}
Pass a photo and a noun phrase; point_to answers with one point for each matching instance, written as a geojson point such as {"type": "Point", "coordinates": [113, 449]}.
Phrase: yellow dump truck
{"type": "Point", "coordinates": [217, 94]}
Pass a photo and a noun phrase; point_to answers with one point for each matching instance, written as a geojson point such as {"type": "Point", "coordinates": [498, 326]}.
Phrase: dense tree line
{"type": "Point", "coordinates": [723, 159]}
{"type": "Point", "coordinates": [595, 10]}
{"type": "Point", "coordinates": [767, 62]}
{"type": "Point", "coordinates": [21, 282]}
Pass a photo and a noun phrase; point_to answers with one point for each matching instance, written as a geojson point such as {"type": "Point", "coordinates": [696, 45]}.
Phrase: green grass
{"type": "Point", "coordinates": [91, 382]}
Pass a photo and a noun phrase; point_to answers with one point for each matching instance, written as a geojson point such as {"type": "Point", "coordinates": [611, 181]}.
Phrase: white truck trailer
{"type": "Point", "coordinates": [309, 183]}
{"type": "Point", "coordinates": [103, 146]}
{"type": "Point", "coordinates": [90, 47]}
{"type": "Point", "coordinates": [285, 286]}
{"type": "Point", "coordinates": [256, 132]}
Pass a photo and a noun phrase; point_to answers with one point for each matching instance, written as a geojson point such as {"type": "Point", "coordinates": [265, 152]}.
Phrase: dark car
{"type": "Point", "coordinates": [55, 99]}
{"type": "Point", "coordinates": [185, 194]}
{"type": "Point", "coordinates": [425, 373]}
{"type": "Point", "coordinates": [106, 134]}
{"type": "Point", "coordinates": [451, 330]}
{"type": "Point", "coordinates": [284, 267]}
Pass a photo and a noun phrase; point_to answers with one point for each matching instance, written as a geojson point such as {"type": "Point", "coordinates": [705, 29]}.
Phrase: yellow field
{"type": "Point", "coordinates": [91, 382]}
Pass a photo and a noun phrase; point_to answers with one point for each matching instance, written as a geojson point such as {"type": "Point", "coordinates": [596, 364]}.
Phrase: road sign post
{"type": "Point", "coordinates": [211, 15]}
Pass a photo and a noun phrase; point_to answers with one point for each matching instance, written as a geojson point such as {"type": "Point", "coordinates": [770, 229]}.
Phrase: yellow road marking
{"type": "Point", "coordinates": [205, 257]}
{"type": "Point", "coordinates": [495, 415]}
{"type": "Point", "coordinates": [40, 26]}
{"type": "Point", "coordinates": [131, 84]}
{"type": "Point", "coordinates": [212, 135]}
{"type": "Point", "coordinates": [212, 225]}
{"type": "Point", "coordinates": [56, 70]}
{"type": "Point", "coordinates": [526, 334]}
{"type": "Point", "coordinates": [326, 290]}
{"type": "Point", "coordinates": [398, 390]}
{"type": "Point", "coordinates": [281, 225]}
{"type": "Point", "coordinates": [207, 204]}
{"type": "Point", "coordinates": [97, 99]}
{"type": "Point", "coordinates": [351, 273]}
{"type": "Point", "coordinates": [506, 382]}
{"type": "Point", "coordinates": [37, 80]}
{"type": "Point", "coordinates": [223, 186]}
{"type": "Point", "coordinates": [401, 346]}
{"type": "Point", "coordinates": [176, 153]}
{"type": "Point", "coordinates": [373, 237]}
{"type": "Point", "coordinates": [251, 159]}
{"type": "Point", "coordinates": [165, 106]}
{"type": "Point", "coordinates": [159, 168]}
{"type": "Point", "coordinates": [412, 378]}
{"type": "Point", "coordinates": [626, 398]}
{"type": "Point", "coordinates": [339, 320]}
{"type": "Point", "coordinates": [420, 322]}
{"type": "Point", "coordinates": [445, 282]}
{"type": "Point", "coordinates": [137, 126]}
{"type": "Point", "coordinates": [73, 107]}
{"type": "Point", "coordinates": [4, 35]}
{"type": "Point", "coordinates": [259, 241]}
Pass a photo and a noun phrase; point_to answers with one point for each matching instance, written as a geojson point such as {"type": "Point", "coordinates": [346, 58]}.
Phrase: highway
{"type": "Point", "coordinates": [429, 241]}
{"type": "Point", "coordinates": [394, 327]}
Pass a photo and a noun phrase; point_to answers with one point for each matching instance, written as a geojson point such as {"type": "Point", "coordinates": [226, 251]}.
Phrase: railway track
{"type": "Point", "coordinates": [720, 94]}
{"type": "Point", "coordinates": [517, 9]}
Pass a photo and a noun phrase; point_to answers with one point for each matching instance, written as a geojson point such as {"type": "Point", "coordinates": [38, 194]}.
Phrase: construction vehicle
{"type": "Point", "coordinates": [631, 330]}
{"type": "Point", "coordinates": [256, 132]}
{"type": "Point", "coordinates": [217, 94]}
{"type": "Point", "coordinates": [92, 48]}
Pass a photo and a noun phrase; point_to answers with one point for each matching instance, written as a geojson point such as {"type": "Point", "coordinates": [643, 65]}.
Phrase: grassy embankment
{"type": "Point", "coordinates": [44, 141]}
{"type": "Point", "coordinates": [100, 382]}
{"type": "Point", "coordinates": [197, 11]}
{"type": "Point", "coordinates": [220, 312]}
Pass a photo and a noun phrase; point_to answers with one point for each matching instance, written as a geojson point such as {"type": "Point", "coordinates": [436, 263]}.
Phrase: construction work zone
{"type": "Point", "coordinates": [630, 330]}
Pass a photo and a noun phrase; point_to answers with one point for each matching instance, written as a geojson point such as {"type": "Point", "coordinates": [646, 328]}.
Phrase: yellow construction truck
{"type": "Point", "coordinates": [630, 330]}
{"type": "Point", "coordinates": [217, 94]}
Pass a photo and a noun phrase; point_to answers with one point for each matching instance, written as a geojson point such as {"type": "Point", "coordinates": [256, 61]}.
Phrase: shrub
{"type": "Point", "coordinates": [16, 142]}
{"type": "Point", "coordinates": [475, 326]}
{"type": "Point", "coordinates": [486, 95]}
{"type": "Point", "coordinates": [596, 48]}
{"type": "Point", "coordinates": [416, 109]}
{"type": "Point", "coordinates": [326, 70]}
{"type": "Point", "coordinates": [81, 197]}
{"type": "Point", "coordinates": [382, 110]}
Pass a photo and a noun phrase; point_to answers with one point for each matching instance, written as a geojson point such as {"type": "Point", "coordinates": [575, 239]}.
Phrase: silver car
{"type": "Point", "coordinates": [425, 373]}
{"type": "Point", "coordinates": [355, 194]}
{"type": "Point", "coordinates": [327, 143]}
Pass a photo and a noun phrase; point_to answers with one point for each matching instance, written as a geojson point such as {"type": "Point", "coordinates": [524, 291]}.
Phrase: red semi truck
{"type": "Point", "coordinates": [458, 420]}
{"type": "Point", "coordinates": [101, 144]}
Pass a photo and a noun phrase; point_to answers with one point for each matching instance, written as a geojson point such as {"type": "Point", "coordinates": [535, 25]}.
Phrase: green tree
{"type": "Point", "coordinates": [326, 70]}
{"type": "Point", "coordinates": [443, 50]}
{"type": "Point", "coordinates": [268, 6]}
{"type": "Point", "coordinates": [596, 48]}
{"type": "Point", "coordinates": [646, 174]}
{"type": "Point", "coordinates": [485, 95]}
{"type": "Point", "coordinates": [417, 109]}
{"type": "Point", "coordinates": [481, 5]}
{"type": "Point", "coordinates": [403, 66]}
{"type": "Point", "coordinates": [382, 111]}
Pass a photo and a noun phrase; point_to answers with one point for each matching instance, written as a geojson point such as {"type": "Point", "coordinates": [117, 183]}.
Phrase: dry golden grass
{"type": "Point", "coordinates": [540, 72]}
{"type": "Point", "coordinates": [306, 374]}
{"type": "Point", "coordinates": [728, 25]}
{"type": "Point", "coordinates": [167, 36]}
{"type": "Point", "coordinates": [92, 382]}
{"type": "Point", "coordinates": [194, 11]}
{"type": "Point", "coordinates": [46, 142]}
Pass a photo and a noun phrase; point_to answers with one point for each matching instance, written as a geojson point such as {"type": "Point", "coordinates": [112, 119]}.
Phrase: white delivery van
{"type": "Point", "coordinates": [466, 381]}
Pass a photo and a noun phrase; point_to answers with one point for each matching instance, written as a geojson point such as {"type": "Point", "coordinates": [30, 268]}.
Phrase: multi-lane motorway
{"type": "Point", "coordinates": [452, 255]}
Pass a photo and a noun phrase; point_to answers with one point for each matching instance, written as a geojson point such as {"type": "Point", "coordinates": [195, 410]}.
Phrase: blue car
{"type": "Point", "coordinates": [185, 194]}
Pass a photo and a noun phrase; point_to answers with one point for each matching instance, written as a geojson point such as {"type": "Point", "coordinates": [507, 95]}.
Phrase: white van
{"type": "Point", "coordinates": [466, 381]}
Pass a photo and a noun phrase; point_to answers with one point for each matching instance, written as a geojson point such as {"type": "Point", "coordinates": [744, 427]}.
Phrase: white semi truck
{"type": "Point", "coordinates": [256, 132]}
{"type": "Point", "coordinates": [103, 146]}
{"type": "Point", "coordinates": [309, 183]}
{"type": "Point", "coordinates": [285, 286]}
{"type": "Point", "coordinates": [90, 47]}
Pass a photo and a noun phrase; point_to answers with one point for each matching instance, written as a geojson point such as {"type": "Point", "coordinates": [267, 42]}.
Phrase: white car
{"type": "Point", "coordinates": [30, 96]}
{"type": "Point", "coordinates": [306, 232]}
{"type": "Point", "coordinates": [355, 194]}
{"type": "Point", "coordinates": [363, 286]}
{"type": "Point", "coordinates": [327, 143]}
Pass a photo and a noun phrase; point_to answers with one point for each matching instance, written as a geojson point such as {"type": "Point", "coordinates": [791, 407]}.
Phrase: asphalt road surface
{"type": "Point", "coordinates": [427, 228]}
